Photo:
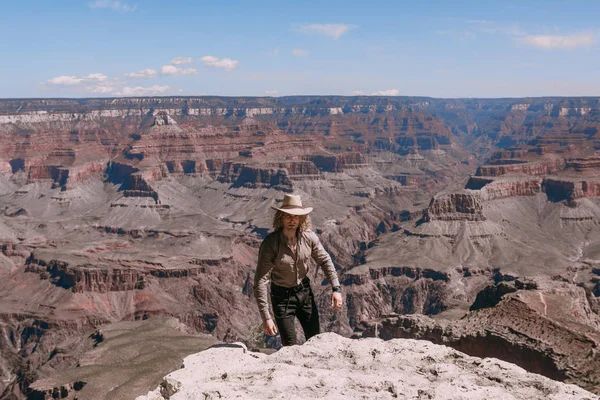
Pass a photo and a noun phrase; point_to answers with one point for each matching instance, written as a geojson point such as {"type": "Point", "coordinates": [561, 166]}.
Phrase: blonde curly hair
{"type": "Point", "coordinates": [305, 222]}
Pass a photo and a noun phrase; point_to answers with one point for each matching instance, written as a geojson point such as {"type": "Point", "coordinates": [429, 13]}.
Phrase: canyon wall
{"type": "Point", "coordinates": [126, 209]}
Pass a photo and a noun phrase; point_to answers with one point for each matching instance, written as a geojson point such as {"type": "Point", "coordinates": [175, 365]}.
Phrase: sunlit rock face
{"type": "Point", "coordinates": [546, 326]}
{"type": "Point", "coordinates": [125, 209]}
{"type": "Point", "coordinates": [454, 207]}
{"type": "Point", "coordinates": [329, 367]}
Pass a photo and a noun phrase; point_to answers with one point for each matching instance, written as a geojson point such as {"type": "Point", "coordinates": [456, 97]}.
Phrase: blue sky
{"type": "Point", "coordinates": [445, 48]}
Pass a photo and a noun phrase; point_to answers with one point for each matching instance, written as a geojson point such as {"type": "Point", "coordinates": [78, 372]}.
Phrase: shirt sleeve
{"type": "Point", "coordinates": [323, 260]}
{"type": "Point", "coordinates": [266, 258]}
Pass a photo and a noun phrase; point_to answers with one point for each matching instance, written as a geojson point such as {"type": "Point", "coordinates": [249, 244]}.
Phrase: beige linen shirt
{"type": "Point", "coordinates": [277, 262]}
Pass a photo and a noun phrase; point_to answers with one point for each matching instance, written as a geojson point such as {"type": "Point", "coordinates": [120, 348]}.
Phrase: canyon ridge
{"type": "Point", "coordinates": [472, 223]}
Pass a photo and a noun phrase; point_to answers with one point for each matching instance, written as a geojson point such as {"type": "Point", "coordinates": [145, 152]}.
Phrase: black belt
{"type": "Point", "coordinates": [282, 290]}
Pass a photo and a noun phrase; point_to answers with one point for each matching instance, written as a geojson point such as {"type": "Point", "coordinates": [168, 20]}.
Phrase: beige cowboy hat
{"type": "Point", "coordinates": [292, 204]}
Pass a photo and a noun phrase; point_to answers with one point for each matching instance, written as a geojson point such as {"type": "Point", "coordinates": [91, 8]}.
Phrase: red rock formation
{"type": "Point", "coordinates": [186, 166]}
{"type": "Point", "coordinates": [404, 290]}
{"type": "Point", "coordinates": [51, 172]}
{"type": "Point", "coordinates": [410, 180]}
{"type": "Point", "coordinates": [500, 188]}
{"type": "Point", "coordinates": [337, 163]}
{"type": "Point", "coordinates": [559, 189]}
{"type": "Point", "coordinates": [546, 328]}
{"type": "Point", "coordinates": [154, 173]}
{"type": "Point", "coordinates": [454, 207]}
{"type": "Point", "coordinates": [137, 186]}
{"type": "Point", "coordinates": [83, 279]}
{"type": "Point", "coordinates": [423, 141]}
{"type": "Point", "coordinates": [84, 172]}
{"type": "Point", "coordinates": [508, 154]}
{"type": "Point", "coordinates": [379, 273]}
{"type": "Point", "coordinates": [562, 140]}
{"type": "Point", "coordinates": [298, 170]}
{"type": "Point", "coordinates": [583, 164]}
{"type": "Point", "coordinates": [251, 143]}
{"type": "Point", "coordinates": [17, 254]}
{"type": "Point", "coordinates": [66, 177]}
{"type": "Point", "coordinates": [248, 176]}
{"type": "Point", "coordinates": [532, 169]}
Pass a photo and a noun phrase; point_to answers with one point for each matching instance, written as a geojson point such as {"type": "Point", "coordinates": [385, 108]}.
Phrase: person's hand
{"type": "Point", "coordinates": [269, 327]}
{"type": "Point", "coordinates": [336, 300]}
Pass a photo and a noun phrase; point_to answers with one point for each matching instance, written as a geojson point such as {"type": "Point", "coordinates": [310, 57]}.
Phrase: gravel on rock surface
{"type": "Point", "coordinates": [332, 367]}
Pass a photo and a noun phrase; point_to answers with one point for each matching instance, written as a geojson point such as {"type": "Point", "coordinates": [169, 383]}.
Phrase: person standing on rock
{"type": "Point", "coordinates": [283, 259]}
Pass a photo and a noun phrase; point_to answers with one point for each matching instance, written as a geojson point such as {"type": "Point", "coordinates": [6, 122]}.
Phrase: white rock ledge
{"type": "Point", "coordinates": [332, 367]}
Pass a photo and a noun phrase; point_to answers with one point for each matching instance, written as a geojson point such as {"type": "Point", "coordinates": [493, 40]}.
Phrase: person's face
{"type": "Point", "coordinates": [291, 221]}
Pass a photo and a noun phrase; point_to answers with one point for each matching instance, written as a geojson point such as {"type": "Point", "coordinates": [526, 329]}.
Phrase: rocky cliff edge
{"type": "Point", "coordinates": [332, 367]}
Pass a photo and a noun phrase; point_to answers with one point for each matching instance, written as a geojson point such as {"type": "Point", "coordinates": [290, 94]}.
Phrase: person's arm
{"type": "Point", "coordinates": [323, 260]}
{"type": "Point", "coordinates": [266, 258]}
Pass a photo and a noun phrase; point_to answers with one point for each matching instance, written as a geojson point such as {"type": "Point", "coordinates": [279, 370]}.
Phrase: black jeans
{"type": "Point", "coordinates": [291, 303]}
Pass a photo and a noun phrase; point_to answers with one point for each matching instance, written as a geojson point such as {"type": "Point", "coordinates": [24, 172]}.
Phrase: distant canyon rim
{"type": "Point", "coordinates": [473, 223]}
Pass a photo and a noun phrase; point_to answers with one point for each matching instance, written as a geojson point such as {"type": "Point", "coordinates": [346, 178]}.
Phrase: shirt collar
{"type": "Point", "coordinates": [298, 235]}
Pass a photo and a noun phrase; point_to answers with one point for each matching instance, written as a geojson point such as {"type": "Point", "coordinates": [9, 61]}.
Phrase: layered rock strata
{"type": "Point", "coordinates": [454, 207]}
{"type": "Point", "coordinates": [544, 326]}
{"type": "Point", "coordinates": [559, 189]}
{"type": "Point", "coordinates": [532, 169]}
{"type": "Point", "coordinates": [129, 208]}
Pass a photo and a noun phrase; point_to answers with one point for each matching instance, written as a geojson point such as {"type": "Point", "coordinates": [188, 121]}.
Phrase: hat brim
{"type": "Point", "coordinates": [294, 211]}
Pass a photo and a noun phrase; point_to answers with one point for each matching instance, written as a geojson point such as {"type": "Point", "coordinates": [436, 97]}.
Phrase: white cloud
{"type": "Point", "coordinates": [333, 30]}
{"type": "Point", "coordinates": [96, 77]}
{"type": "Point", "coordinates": [271, 92]}
{"type": "Point", "coordinates": [559, 42]}
{"type": "Point", "coordinates": [144, 73]}
{"type": "Point", "coordinates": [128, 91]}
{"type": "Point", "coordinates": [65, 80]}
{"type": "Point", "coordinates": [540, 41]}
{"type": "Point", "coordinates": [181, 60]}
{"type": "Point", "coordinates": [113, 5]}
{"type": "Point", "coordinates": [473, 28]}
{"type": "Point", "coordinates": [224, 63]}
{"type": "Point", "coordinates": [300, 52]}
{"type": "Point", "coordinates": [171, 70]}
{"type": "Point", "coordinates": [144, 91]}
{"type": "Point", "coordinates": [98, 83]}
{"type": "Point", "coordinates": [389, 92]}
